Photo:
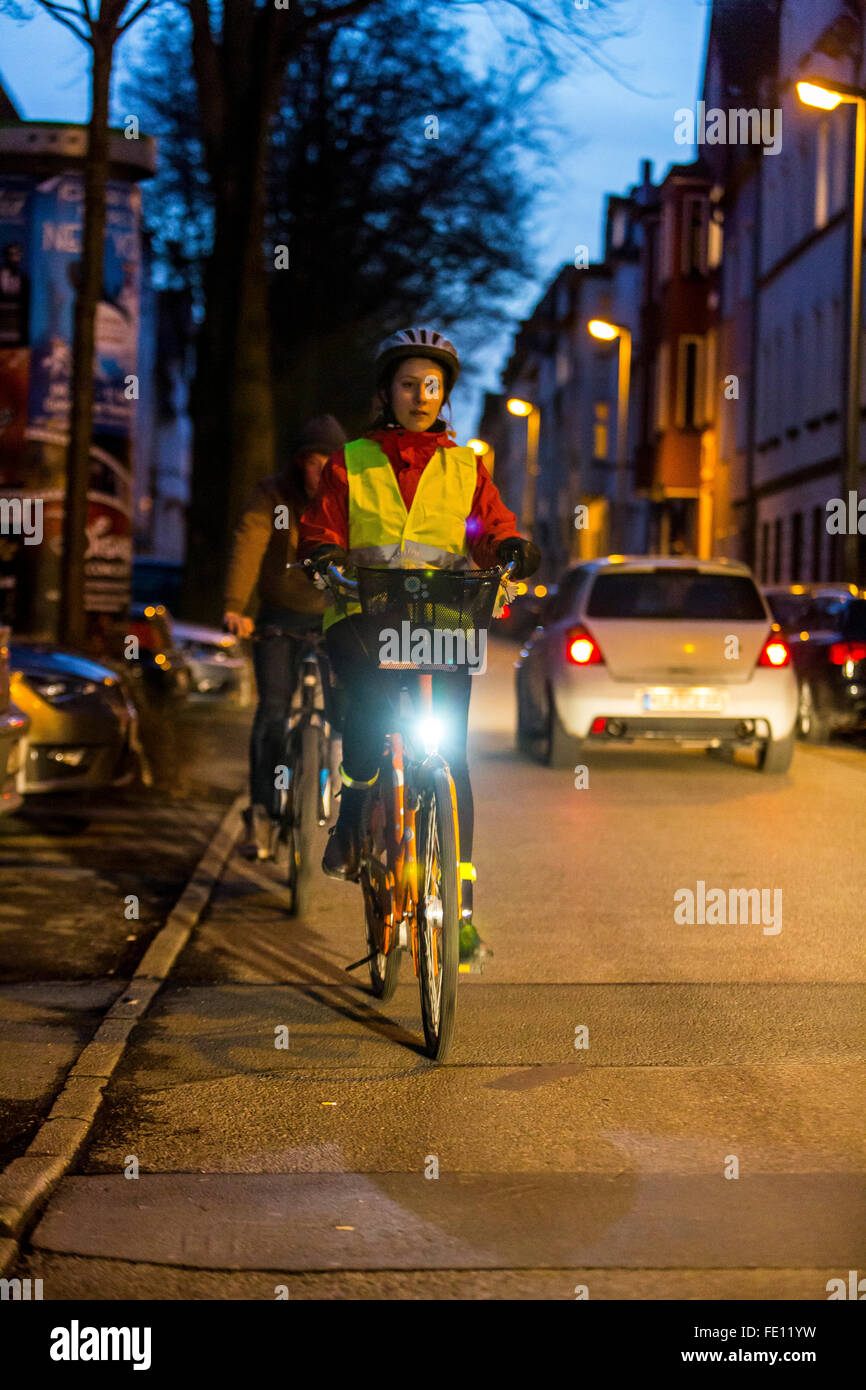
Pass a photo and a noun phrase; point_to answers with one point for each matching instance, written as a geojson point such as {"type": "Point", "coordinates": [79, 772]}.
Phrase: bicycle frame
{"type": "Point", "coordinates": [402, 852]}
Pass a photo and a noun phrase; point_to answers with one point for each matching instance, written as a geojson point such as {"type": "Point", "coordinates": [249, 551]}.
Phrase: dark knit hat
{"type": "Point", "coordinates": [320, 435]}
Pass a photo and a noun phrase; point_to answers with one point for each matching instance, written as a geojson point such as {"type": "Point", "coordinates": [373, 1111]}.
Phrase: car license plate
{"type": "Point", "coordinates": [697, 700]}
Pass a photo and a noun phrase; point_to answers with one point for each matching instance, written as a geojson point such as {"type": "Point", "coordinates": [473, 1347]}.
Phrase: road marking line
{"type": "Point", "coordinates": [27, 1182]}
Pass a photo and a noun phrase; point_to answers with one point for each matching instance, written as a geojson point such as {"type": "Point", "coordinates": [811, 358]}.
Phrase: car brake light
{"type": "Point", "coordinates": [841, 652]}
{"type": "Point", "coordinates": [774, 652]}
{"type": "Point", "coordinates": [581, 649]}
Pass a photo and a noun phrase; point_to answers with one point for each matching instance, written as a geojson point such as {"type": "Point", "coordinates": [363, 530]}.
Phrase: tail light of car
{"type": "Point", "coordinates": [842, 652]}
{"type": "Point", "coordinates": [775, 651]}
{"type": "Point", "coordinates": [581, 648]}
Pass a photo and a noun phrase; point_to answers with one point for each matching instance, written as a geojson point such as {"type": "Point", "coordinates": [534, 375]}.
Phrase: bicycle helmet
{"type": "Point", "coordinates": [417, 342]}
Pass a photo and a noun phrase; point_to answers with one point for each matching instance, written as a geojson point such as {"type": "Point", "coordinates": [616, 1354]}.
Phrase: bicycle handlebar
{"type": "Point", "coordinates": [350, 586]}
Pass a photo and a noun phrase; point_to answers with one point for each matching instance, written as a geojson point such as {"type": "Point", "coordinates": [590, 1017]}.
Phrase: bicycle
{"type": "Point", "coordinates": [311, 770]}
{"type": "Point", "coordinates": [410, 856]}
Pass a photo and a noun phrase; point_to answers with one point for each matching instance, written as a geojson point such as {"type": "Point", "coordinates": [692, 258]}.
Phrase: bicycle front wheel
{"type": "Point", "coordinates": [438, 913]}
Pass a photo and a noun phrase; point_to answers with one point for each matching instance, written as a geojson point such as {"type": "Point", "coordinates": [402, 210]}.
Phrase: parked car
{"type": "Point", "coordinates": [160, 663]}
{"type": "Point", "coordinates": [216, 660]}
{"type": "Point", "coordinates": [826, 631]}
{"type": "Point", "coordinates": [789, 603]}
{"type": "Point", "coordinates": [654, 647]}
{"type": "Point", "coordinates": [13, 727]}
{"type": "Point", "coordinates": [83, 733]}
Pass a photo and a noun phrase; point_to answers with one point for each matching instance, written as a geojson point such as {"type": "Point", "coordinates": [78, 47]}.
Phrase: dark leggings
{"type": "Point", "coordinates": [372, 701]}
{"type": "Point", "coordinates": [276, 659]}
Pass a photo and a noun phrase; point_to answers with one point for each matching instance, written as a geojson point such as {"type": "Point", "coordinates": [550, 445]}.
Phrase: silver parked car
{"type": "Point", "coordinates": [654, 647]}
{"type": "Point", "coordinates": [216, 660]}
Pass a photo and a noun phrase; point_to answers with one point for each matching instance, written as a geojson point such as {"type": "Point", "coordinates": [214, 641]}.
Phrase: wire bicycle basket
{"type": "Point", "coordinates": [427, 619]}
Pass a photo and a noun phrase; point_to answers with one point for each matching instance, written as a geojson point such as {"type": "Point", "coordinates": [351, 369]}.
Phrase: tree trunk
{"type": "Point", "coordinates": [233, 399]}
{"type": "Point", "coordinates": [72, 616]}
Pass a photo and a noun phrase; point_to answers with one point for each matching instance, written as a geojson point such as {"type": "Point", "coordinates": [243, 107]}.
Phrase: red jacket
{"type": "Point", "coordinates": [326, 519]}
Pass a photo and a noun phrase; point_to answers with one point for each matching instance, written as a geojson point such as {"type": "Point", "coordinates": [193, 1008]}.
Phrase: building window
{"type": "Point", "coordinates": [796, 548]}
{"type": "Point", "coordinates": [600, 430]}
{"type": "Point", "coordinates": [817, 355]}
{"type": "Point", "coordinates": [777, 550]}
{"type": "Point", "coordinates": [690, 381]}
{"type": "Point", "coordinates": [796, 399]}
{"type": "Point", "coordinates": [822, 172]}
{"type": "Point", "coordinates": [694, 236]}
{"type": "Point", "coordinates": [662, 386]}
{"type": "Point", "coordinates": [710, 383]}
{"type": "Point", "coordinates": [667, 242]}
{"type": "Point", "coordinates": [715, 239]}
{"type": "Point", "coordinates": [765, 552]}
{"type": "Point", "coordinates": [617, 228]}
{"type": "Point", "coordinates": [818, 515]}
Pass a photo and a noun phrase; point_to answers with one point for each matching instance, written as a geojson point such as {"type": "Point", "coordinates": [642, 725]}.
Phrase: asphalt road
{"type": "Point", "coordinates": [709, 1049]}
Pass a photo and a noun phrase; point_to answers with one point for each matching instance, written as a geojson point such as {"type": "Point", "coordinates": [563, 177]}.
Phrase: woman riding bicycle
{"type": "Point", "coordinates": [405, 496]}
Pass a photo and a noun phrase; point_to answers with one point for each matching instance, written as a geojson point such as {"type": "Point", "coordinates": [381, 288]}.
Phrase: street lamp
{"type": "Point", "coordinates": [606, 332]}
{"type": "Point", "coordinates": [515, 406]}
{"type": "Point", "coordinates": [478, 447]}
{"type": "Point", "coordinates": [826, 97]}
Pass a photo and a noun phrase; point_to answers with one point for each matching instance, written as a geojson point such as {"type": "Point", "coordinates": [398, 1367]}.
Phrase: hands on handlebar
{"type": "Point", "coordinates": [328, 573]}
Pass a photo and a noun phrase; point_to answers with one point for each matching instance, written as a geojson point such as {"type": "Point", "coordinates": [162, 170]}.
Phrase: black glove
{"type": "Point", "coordinates": [526, 555]}
{"type": "Point", "coordinates": [325, 555]}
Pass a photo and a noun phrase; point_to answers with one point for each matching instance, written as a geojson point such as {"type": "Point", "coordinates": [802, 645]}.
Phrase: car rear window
{"type": "Point", "coordinates": [789, 609]}
{"type": "Point", "coordinates": [855, 620]}
{"type": "Point", "coordinates": [675, 593]}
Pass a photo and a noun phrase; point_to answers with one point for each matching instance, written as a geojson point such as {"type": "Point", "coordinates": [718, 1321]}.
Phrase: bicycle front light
{"type": "Point", "coordinates": [429, 734]}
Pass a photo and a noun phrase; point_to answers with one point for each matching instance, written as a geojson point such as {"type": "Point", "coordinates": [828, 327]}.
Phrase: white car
{"type": "Point", "coordinates": [654, 647]}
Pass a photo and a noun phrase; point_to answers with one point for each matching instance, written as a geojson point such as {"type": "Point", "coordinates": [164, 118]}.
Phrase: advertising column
{"type": "Point", "coordinates": [41, 226]}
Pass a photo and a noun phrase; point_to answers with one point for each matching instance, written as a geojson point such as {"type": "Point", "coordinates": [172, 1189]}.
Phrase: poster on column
{"type": "Point", "coordinates": [57, 224]}
{"type": "Point", "coordinates": [15, 285]}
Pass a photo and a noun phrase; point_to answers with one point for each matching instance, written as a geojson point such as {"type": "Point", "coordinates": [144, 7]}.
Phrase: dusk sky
{"type": "Point", "coordinates": [609, 124]}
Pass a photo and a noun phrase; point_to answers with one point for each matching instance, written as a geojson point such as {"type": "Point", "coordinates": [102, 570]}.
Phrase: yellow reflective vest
{"type": "Point", "coordinates": [382, 533]}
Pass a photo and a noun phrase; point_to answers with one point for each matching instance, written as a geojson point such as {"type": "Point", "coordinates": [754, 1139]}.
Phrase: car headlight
{"type": "Point", "coordinates": [58, 689]}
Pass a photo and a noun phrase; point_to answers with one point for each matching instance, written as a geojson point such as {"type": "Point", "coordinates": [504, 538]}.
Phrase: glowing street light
{"type": "Point", "coordinates": [599, 328]}
{"type": "Point", "coordinates": [826, 97]}
{"type": "Point", "coordinates": [478, 447]}
{"type": "Point", "coordinates": [811, 94]}
{"type": "Point", "coordinates": [515, 406]}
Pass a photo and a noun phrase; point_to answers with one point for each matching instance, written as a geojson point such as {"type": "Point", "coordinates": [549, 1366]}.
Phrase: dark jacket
{"type": "Point", "coordinates": [262, 548]}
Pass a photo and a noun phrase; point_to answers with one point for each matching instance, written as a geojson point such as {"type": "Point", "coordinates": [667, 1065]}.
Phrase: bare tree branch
{"type": "Point", "coordinates": [59, 12]}
{"type": "Point", "coordinates": [136, 14]}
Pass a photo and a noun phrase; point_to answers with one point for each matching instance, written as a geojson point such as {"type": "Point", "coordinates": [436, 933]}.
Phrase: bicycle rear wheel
{"type": "Point", "coordinates": [304, 817]}
{"type": "Point", "coordinates": [438, 913]}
